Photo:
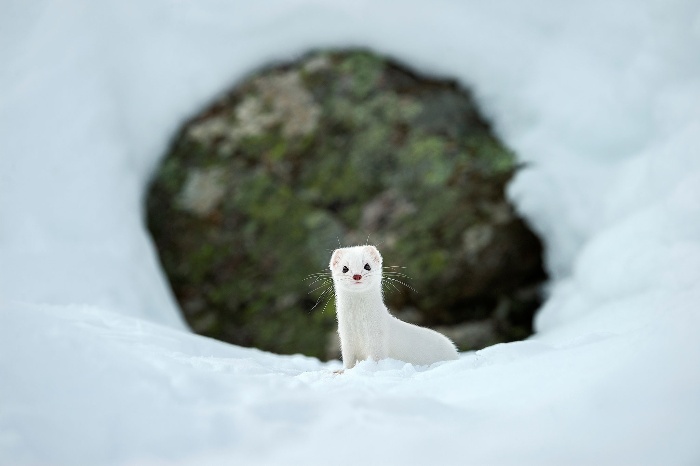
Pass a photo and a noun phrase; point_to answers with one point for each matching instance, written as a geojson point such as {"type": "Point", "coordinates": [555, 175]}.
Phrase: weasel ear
{"type": "Point", "coordinates": [374, 254]}
{"type": "Point", "coordinates": [335, 258]}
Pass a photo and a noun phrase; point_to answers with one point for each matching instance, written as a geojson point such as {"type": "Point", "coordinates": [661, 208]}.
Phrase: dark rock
{"type": "Point", "coordinates": [472, 335]}
{"type": "Point", "coordinates": [262, 185]}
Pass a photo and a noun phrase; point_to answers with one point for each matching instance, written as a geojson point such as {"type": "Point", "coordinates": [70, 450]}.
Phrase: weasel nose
{"type": "Point", "coordinates": [357, 277]}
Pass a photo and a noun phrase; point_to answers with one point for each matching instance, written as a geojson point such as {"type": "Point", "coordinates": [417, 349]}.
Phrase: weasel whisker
{"type": "Point", "coordinates": [328, 301]}
{"type": "Point", "coordinates": [387, 284]}
{"type": "Point", "coordinates": [320, 298]}
{"type": "Point", "coordinates": [326, 283]}
{"type": "Point", "coordinates": [403, 283]}
{"type": "Point", "coordinates": [313, 283]}
{"type": "Point", "coordinates": [316, 275]}
{"type": "Point", "coordinates": [397, 274]}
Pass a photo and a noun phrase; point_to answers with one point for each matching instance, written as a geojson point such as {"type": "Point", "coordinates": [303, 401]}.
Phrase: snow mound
{"type": "Point", "coordinates": [598, 99]}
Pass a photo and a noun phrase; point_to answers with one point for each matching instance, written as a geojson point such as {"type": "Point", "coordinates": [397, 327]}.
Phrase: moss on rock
{"type": "Point", "coordinates": [260, 187]}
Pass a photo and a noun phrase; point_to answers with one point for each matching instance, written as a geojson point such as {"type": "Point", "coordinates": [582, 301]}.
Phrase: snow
{"type": "Point", "coordinates": [599, 99]}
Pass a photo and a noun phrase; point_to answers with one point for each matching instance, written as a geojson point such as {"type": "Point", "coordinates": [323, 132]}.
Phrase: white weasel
{"type": "Point", "coordinates": [366, 328]}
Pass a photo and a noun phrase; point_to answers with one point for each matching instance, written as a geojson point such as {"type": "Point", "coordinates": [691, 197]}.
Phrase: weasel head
{"type": "Point", "coordinates": [356, 269]}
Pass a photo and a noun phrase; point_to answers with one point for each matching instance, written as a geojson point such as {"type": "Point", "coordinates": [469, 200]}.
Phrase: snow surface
{"type": "Point", "coordinates": [600, 100]}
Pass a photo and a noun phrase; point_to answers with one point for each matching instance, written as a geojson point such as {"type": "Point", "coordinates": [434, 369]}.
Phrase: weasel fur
{"type": "Point", "coordinates": [367, 330]}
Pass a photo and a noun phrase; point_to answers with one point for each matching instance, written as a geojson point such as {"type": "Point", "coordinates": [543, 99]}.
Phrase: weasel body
{"type": "Point", "coordinates": [367, 330]}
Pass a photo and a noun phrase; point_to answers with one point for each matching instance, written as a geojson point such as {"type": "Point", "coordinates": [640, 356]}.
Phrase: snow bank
{"type": "Point", "coordinates": [600, 100]}
{"type": "Point", "coordinates": [106, 388]}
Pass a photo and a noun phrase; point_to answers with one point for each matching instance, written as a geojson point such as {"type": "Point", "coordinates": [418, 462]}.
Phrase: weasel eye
{"type": "Point", "coordinates": [367, 267]}
{"type": "Point", "coordinates": [345, 270]}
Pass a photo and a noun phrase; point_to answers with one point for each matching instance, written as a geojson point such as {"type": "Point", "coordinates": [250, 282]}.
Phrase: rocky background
{"type": "Point", "coordinates": [342, 148]}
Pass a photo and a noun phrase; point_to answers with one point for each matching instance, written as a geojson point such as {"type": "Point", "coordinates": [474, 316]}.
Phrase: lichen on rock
{"type": "Point", "coordinates": [260, 187]}
{"type": "Point", "coordinates": [203, 190]}
{"type": "Point", "coordinates": [291, 104]}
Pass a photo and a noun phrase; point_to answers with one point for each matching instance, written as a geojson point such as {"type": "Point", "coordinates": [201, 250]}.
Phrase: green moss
{"type": "Point", "coordinates": [365, 69]}
{"type": "Point", "coordinates": [406, 161]}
